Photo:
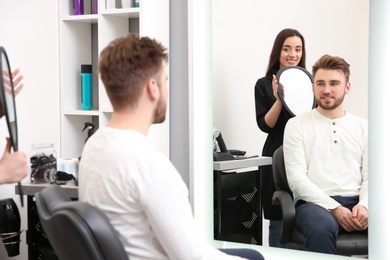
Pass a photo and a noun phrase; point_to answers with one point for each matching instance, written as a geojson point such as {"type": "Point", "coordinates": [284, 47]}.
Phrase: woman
{"type": "Point", "coordinates": [271, 116]}
{"type": "Point", "coordinates": [13, 166]}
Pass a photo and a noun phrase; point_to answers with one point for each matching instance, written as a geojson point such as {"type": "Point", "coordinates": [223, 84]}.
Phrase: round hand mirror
{"type": "Point", "coordinates": [295, 89]}
{"type": "Point", "coordinates": [7, 106]}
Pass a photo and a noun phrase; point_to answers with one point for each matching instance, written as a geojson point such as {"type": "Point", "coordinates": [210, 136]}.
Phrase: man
{"type": "Point", "coordinates": [121, 173]}
{"type": "Point", "coordinates": [326, 161]}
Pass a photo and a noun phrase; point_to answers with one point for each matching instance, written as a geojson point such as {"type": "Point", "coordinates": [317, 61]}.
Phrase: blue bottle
{"type": "Point", "coordinates": [86, 87]}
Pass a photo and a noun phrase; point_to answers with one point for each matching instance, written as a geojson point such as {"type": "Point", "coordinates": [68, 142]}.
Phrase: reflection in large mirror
{"type": "Point", "coordinates": [242, 37]}
{"type": "Point", "coordinates": [292, 80]}
{"type": "Point", "coordinates": [7, 106]}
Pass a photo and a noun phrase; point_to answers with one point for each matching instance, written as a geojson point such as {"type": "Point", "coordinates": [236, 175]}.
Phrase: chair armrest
{"type": "Point", "coordinates": [284, 200]}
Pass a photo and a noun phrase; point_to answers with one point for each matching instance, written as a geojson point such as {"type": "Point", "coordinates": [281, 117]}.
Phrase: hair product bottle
{"type": "Point", "coordinates": [86, 87]}
{"type": "Point", "coordinates": [78, 7]}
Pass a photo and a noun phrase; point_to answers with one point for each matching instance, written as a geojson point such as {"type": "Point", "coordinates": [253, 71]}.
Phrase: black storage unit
{"type": "Point", "coordinates": [237, 207]}
{"type": "Point", "coordinates": [39, 247]}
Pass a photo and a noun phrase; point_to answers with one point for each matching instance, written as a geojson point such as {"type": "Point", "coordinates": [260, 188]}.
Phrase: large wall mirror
{"type": "Point", "coordinates": [243, 33]}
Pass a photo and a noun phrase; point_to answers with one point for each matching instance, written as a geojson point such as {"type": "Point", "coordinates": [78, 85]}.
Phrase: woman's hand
{"type": "Point", "coordinates": [13, 166]}
{"type": "Point", "coordinates": [18, 84]}
{"type": "Point", "coordinates": [17, 80]}
{"type": "Point", "coordinates": [275, 87]}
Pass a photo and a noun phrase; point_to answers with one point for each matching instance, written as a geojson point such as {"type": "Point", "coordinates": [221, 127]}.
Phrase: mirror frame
{"type": "Point", "coordinates": [281, 91]}
{"type": "Point", "coordinates": [13, 130]}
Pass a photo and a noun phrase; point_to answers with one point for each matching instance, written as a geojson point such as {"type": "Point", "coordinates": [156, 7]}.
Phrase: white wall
{"type": "Point", "coordinates": [157, 10]}
{"type": "Point", "coordinates": [29, 33]}
{"type": "Point", "coordinates": [243, 33]}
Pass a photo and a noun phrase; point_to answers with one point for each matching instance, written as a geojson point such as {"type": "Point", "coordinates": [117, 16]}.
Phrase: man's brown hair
{"type": "Point", "coordinates": [126, 64]}
{"type": "Point", "coordinates": [329, 62]}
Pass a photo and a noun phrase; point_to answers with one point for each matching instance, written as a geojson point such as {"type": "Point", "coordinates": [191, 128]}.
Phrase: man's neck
{"type": "Point", "coordinates": [127, 121]}
{"type": "Point", "coordinates": [333, 113]}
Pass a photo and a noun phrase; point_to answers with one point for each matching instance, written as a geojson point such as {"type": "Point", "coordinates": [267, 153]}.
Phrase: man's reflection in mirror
{"type": "Point", "coordinates": [326, 159]}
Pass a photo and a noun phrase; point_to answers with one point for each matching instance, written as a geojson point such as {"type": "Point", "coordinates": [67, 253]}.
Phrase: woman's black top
{"type": "Point", "coordinates": [264, 99]}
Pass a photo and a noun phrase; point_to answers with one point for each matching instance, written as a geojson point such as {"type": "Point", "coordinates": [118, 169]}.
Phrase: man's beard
{"type": "Point", "coordinates": [327, 106]}
{"type": "Point", "coordinates": [159, 113]}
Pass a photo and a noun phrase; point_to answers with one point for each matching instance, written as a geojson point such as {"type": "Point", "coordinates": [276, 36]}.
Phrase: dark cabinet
{"type": "Point", "coordinates": [237, 200]}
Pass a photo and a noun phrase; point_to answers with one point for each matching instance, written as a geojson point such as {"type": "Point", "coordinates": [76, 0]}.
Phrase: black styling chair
{"type": "Point", "coordinates": [348, 244]}
{"type": "Point", "coordinates": [77, 230]}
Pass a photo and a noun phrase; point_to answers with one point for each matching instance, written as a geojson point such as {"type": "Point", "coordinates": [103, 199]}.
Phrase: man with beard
{"type": "Point", "coordinates": [122, 174]}
{"type": "Point", "coordinates": [326, 161]}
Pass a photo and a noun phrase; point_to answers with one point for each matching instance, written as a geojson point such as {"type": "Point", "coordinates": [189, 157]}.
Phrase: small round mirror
{"type": "Point", "coordinates": [7, 104]}
{"type": "Point", "coordinates": [7, 99]}
{"type": "Point", "coordinates": [295, 89]}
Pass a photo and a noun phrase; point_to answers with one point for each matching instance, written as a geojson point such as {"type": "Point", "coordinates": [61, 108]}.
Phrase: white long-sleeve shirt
{"type": "Point", "coordinates": [143, 195]}
{"type": "Point", "coordinates": [327, 157]}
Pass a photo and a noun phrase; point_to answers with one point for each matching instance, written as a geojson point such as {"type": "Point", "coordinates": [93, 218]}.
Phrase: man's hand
{"type": "Point", "coordinates": [360, 213]}
{"type": "Point", "coordinates": [347, 220]}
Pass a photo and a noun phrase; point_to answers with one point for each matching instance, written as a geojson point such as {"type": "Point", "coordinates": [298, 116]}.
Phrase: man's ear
{"type": "Point", "coordinates": [347, 88]}
{"type": "Point", "coordinates": [152, 89]}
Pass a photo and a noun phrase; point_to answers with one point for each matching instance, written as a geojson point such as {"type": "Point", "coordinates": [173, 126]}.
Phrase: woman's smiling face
{"type": "Point", "coordinates": [291, 52]}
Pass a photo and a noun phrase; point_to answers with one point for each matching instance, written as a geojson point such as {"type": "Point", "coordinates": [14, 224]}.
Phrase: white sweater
{"type": "Point", "coordinates": [325, 157]}
{"type": "Point", "coordinates": [143, 195]}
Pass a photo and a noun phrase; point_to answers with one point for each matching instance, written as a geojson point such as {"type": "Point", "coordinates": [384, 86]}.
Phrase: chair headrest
{"type": "Point", "coordinates": [86, 230]}
{"type": "Point", "coordinates": [51, 197]}
{"type": "Point", "coordinates": [279, 171]}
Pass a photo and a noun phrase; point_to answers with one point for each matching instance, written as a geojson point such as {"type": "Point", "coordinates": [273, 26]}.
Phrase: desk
{"type": "Point", "coordinates": [237, 200]}
{"type": "Point", "coordinates": [38, 245]}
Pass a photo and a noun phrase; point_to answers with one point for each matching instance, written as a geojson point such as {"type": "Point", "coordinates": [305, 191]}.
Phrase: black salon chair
{"type": "Point", "coordinates": [77, 230]}
{"type": "Point", "coordinates": [348, 244]}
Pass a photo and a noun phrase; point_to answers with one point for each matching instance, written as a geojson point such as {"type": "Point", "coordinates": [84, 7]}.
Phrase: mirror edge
{"type": "Point", "coordinates": [280, 92]}
{"type": "Point", "coordinates": [13, 132]}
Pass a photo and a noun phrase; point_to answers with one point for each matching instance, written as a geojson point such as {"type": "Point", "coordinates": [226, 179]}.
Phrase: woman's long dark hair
{"type": "Point", "coordinates": [273, 65]}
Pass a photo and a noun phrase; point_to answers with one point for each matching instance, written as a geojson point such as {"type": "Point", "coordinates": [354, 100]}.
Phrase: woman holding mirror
{"type": "Point", "coordinates": [13, 166]}
{"type": "Point", "coordinates": [271, 116]}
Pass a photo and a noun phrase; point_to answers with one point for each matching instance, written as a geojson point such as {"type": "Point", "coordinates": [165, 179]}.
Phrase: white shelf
{"type": "Point", "coordinates": [82, 112]}
{"type": "Point", "coordinates": [240, 164]}
{"type": "Point", "coordinates": [123, 12]}
{"type": "Point", "coordinates": [81, 39]}
{"type": "Point", "coordinates": [93, 18]}
{"type": "Point", "coordinates": [87, 18]}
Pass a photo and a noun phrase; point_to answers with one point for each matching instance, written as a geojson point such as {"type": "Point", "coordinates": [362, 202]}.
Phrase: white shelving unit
{"type": "Point", "coordinates": [81, 39]}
